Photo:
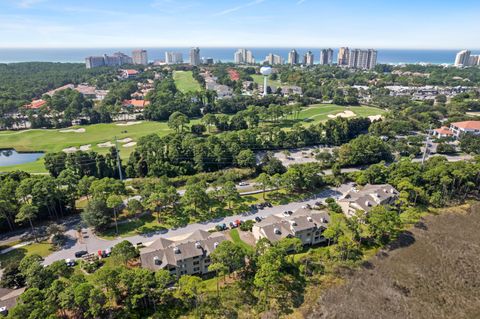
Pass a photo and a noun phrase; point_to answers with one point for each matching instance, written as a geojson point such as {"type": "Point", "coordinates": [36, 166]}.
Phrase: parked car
{"type": "Point", "coordinates": [243, 184]}
{"type": "Point", "coordinates": [258, 219]}
{"type": "Point", "coordinates": [80, 253]}
{"type": "Point", "coordinates": [108, 252]}
{"type": "Point", "coordinates": [232, 225]}
{"type": "Point", "coordinates": [70, 262]}
{"type": "Point", "coordinates": [268, 204]}
{"type": "Point", "coordinates": [221, 227]}
{"type": "Point", "coordinates": [238, 222]}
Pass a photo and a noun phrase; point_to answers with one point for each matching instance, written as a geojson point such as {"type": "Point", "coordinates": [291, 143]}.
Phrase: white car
{"type": "Point", "coordinates": [243, 184]}
{"type": "Point", "coordinates": [70, 262]}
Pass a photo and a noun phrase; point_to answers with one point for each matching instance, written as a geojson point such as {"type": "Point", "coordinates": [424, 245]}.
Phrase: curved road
{"type": "Point", "coordinates": [92, 243]}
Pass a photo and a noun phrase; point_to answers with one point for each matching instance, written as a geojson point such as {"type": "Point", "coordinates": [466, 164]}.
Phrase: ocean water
{"type": "Point", "coordinates": [392, 56]}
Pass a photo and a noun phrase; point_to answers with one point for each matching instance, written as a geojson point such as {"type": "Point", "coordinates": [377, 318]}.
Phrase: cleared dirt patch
{"type": "Point", "coordinates": [432, 272]}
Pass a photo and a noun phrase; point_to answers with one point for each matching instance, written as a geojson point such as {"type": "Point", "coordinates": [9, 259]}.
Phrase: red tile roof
{"type": "Point", "coordinates": [234, 75]}
{"type": "Point", "coordinates": [443, 131]}
{"type": "Point", "coordinates": [36, 104]}
{"type": "Point", "coordinates": [131, 72]}
{"type": "Point", "coordinates": [468, 125]}
{"type": "Point", "coordinates": [136, 103]}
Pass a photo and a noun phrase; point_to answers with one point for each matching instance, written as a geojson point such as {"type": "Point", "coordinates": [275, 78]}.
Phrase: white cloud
{"type": "Point", "coordinates": [228, 11]}
{"type": "Point", "coordinates": [28, 3]}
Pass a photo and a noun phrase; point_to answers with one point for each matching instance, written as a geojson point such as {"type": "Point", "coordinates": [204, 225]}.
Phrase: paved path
{"type": "Point", "coordinates": [92, 243]}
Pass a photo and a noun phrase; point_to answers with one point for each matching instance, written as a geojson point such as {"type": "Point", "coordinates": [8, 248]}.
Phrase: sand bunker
{"type": "Point", "coordinates": [129, 123]}
{"type": "Point", "coordinates": [375, 117]}
{"type": "Point", "coordinates": [80, 130]}
{"type": "Point", "coordinates": [125, 140]}
{"type": "Point", "coordinates": [344, 114]}
{"type": "Point", "coordinates": [106, 144]}
{"type": "Point", "coordinates": [85, 148]}
{"type": "Point", "coordinates": [70, 150]}
{"type": "Point", "coordinates": [131, 144]}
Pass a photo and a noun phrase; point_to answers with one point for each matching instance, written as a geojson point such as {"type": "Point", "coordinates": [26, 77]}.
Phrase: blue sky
{"type": "Point", "coordinates": [428, 24]}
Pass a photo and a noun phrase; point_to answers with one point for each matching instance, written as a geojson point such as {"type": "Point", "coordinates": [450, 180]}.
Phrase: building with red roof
{"type": "Point", "coordinates": [457, 129]}
{"type": "Point", "coordinates": [36, 104]}
{"type": "Point", "coordinates": [138, 104]}
{"type": "Point", "coordinates": [465, 127]}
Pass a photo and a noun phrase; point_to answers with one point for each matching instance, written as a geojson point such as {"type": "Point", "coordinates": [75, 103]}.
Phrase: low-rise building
{"type": "Point", "coordinates": [367, 198]}
{"type": "Point", "coordinates": [305, 224]}
{"type": "Point", "coordinates": [128, 74]}
{"type": "Point", "coordinates": [442, 132]}
{"type": "Point", "coordinates": [466, 127]}
{"type": "Point", "coordinates": [36, 104]}
{"type": "Point", "coordinates": [189, 256]}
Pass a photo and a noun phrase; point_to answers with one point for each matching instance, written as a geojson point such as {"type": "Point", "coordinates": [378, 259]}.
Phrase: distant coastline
{"type": "Point", "coordinates": [77, 55]}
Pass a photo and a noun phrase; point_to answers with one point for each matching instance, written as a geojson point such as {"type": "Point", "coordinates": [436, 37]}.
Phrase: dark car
{"type": "Point", "coordinates": [258, 219]}
{"type": "Point", "coordinates": [268, 204]}
{"type": "Point", "coordinates": [80, 253]}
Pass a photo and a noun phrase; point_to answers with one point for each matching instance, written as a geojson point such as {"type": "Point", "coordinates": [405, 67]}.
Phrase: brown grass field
{"type": "Point", "coordinates": [432, 272]}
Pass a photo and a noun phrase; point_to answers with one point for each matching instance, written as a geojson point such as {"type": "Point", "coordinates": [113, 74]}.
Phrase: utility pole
{"type": "Point", "coordinates": [118, 160]}
{"type": "Point", "coordinates": [427, 143]}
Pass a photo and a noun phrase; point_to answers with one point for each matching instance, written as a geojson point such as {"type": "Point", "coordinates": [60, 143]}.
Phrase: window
{"type": "Point", "coordinates": [196, 269]}
{"type": "Point", "coordinates": [196, 263]}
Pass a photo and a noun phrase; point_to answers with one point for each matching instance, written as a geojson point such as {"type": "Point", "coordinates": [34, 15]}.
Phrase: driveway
{"type": "Point", "coordinates": [92, 243]}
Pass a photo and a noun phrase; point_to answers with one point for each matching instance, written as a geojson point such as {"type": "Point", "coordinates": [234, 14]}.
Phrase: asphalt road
{"type": "Point", "coordinates": [92, 243]}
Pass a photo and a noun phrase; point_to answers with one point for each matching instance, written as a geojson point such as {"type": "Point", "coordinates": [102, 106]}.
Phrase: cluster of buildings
{"type": "Point", "coordinates": [465, 58]}
{"type": "Point", "coordinates": [223, 91]}
{"type": "Point", "coordinates": [357, 58]}
{"type": "Point", "coordinates": [243, 56]}
{"type": "Point", "coordinates": [173, 58]}
{"type": "Point", "coordinates": [458, 129]}
{"type": "Point", "coordinates": [88, 91]}
{"type": "Point", "coordinates": [139, 57]}
{"type": "Point", "coordinates": [191, 255]}
{"type": "Point", "coordinates": [427, 92]}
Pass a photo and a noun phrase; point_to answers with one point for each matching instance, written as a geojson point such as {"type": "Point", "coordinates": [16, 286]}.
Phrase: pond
{"type": "Point", "coordinates": [9, 157]}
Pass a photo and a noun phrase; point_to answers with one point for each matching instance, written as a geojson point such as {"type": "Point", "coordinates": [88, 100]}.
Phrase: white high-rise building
{"type": "Point", "coordinates": [463, 58]}
{"type": "Point", "coordinates": [195, 56]}
{"type": "Point", "coordinates": [308, 59]}
{"type": "Point", "coordinates": [293, 57]}
{"type": "Point", "coordinates": [173, 57]}
{"type": "Point", "coordinates": [343, 56]}
{"type": "Point", "coordinates": [273, 59]}
{"type": "Point", "coordinates": [243, 56]}
{"type": "Point", "coordinates": [326, 57]}
{"type": "Point", "coordinates": [140, 57]}
{"type": "Point", "coordinates": [362, 59]}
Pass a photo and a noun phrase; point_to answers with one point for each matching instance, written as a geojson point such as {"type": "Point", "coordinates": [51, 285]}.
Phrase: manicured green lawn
{"type": "Point", "coordinates": [185, 81]}
{"type": "Point", "coordinates": [237, 240]}
{"type": "Point", "coordinates": [257, 78]}
{"type": "Point", "coordinates": [52, 140]}
{"type": "Point", "coordinates": [43, 249]}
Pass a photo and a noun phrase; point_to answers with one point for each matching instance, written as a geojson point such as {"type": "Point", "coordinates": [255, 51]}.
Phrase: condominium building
{"type": "Point", "coordinates": [94, 62]}
{"type": "Point", "coordinates": [308, 59]}
{"type": "Point", "coordinates": [304, 224]}
{"type": "Point", "coordinates": [362, 59]}
{"type": "Point", "coordinates": [195, 56]}
{"type": "Point", "coordinates": [465, 58]}
{"type": "Point", "coordinates": [173, 57]}
{"type": "Point", "coordinates": [117, 59]}
{"type": "Point", "coordinates": [293, 57]}
{"type": "Point", "coordinates": [273, 59]}
{"type": "Point", "coordinates": [189, 256]}
{"type": "Point", "coordinates": [343, 56]}
{"type": "Point", "coordinates": [244, 56]}
{"type": "Point", "coordinates": [140, 57]}
{"type": "Point", "coordinates": [326, 56]}
{"type": "Point", "coordinates": [367, 198]}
